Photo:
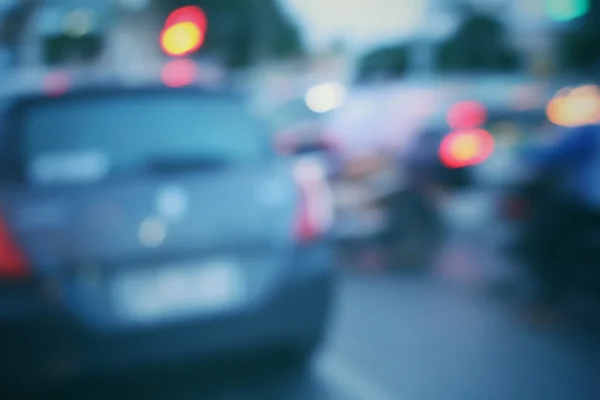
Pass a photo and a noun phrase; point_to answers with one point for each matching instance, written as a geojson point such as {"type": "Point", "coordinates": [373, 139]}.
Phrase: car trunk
{"type": "Point", "coordinates": [146, 206]}
{"type": "Point", "coordinates": [150, 218]}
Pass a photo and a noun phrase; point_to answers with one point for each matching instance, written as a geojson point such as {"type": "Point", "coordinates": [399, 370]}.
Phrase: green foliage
{"type": "Point", "coordinates": [480, 44]}
{"type": "Point", "coordinates": [384, 63]}
{"type": "Point", "coordinates": [61, 48]}
{"type": "Point", "coordinates": [579, 50]}
{"type": "Point", "coordinates": [578, 44]}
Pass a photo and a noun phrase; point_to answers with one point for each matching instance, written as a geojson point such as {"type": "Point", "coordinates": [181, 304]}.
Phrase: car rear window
{"type": "Point", "coordinates": [93, 136]}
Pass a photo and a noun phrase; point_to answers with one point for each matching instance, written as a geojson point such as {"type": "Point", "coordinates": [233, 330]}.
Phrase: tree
{"type": "Point", "coordinates": [578, 42]}
{"type": "Point", "coordinates": [63, 48]}
{"type": "Point", "coordinates": [243, 32]}
{"type": "Point", "coordinates": [13, 23]}
{"type": "Point", "coordinates": [383, 63]}
{"type": "Point", "coordinates": [479, 44]}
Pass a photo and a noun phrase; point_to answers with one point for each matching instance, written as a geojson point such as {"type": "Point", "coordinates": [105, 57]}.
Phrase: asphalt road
{"type": "Point", "coordinates": [408, 336]}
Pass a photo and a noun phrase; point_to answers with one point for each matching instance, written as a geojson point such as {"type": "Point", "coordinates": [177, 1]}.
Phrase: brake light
{"type": "Point", "coordinates": [466, 115]}
{"type": "Point", "coordinates": [12, 261]}
{"type": "Point", "coordinates": [315, 212]}
{"type": "Point", "coordinates": [466, 148]}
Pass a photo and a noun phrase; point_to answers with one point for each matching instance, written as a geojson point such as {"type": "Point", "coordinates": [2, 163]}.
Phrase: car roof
{"type": "Point", "coordinates": [122, 90]}
{"type": "Point", "coordinates": [16, 102]}
{"type": "Point", "coordinates": [28, 85]}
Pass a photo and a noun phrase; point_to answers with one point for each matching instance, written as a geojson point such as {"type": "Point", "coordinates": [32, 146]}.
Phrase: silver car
{"type": "Point", "coordinates": [153, 225]}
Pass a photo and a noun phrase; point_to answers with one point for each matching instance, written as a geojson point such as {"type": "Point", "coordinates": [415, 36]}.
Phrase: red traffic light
{"type": "Point", "coordinates": [184, 31]}
{"type": "Point", "coordinates": [181, 39]}
{"type": "Point", "coordinates": [191, 14]}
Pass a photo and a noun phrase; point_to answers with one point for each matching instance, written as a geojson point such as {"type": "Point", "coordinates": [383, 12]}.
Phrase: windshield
{"type": "Point", "coordinates": [108, 134]}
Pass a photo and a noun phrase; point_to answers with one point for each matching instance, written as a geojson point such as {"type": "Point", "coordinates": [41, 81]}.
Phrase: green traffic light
{"type": "Point", "coordinates": [566, 10]}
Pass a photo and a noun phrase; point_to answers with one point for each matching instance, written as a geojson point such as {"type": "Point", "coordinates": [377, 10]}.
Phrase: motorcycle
{"type": "Point", "coordinates": [380, 206]}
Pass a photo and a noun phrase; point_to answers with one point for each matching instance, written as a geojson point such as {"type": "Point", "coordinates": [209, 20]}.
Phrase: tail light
{"type": "Point", "coordinates": [465, 148]}
{"type": "Point", "coordinates": [12, 261]}
{"type": "Point", "coordinates": [315, 213]}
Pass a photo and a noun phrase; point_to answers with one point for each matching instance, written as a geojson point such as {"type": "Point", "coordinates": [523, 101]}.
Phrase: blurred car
{"type": "Point", "coordinates": [148, 225]}
{"type": "Point", "coordinates": [492, 160]}
{"type": "Point", "coordinates": [404, 145]}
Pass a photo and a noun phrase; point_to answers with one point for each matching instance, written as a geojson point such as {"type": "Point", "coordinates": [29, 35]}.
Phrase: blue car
{"type": "Point", "coordinates": [150, 225]}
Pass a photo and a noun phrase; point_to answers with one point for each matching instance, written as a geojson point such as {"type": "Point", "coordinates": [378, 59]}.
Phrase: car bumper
{"type": "Point", "coordinates": [293, 315]}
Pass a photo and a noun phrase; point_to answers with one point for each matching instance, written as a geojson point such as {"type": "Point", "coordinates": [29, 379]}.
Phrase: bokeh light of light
{"type": "Point", "coordinates": [179, 73]}
{"type": "Point", "coordinates": [566, 10]}
{"type": "Point", "coordinates": [325, 97]}
{"type": "Point", "coordinates": [466, 115]}
{"type": "Point", "coordinates": [574, 107]}
{"type": "Point", "coordinates": [466, 148]}
{"type": "Point", "coordinates": [77, 23]}
{"type": "Point", "coordinates": [191, 14]}
{"type": "Point", "coordinates": [181, 39]}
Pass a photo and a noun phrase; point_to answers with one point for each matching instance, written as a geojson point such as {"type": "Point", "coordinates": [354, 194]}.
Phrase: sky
{"type": "Point", "coordinates": [363, 23]}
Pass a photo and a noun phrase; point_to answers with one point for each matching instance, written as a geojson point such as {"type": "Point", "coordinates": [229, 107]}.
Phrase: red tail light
{"type": "Point", "coordinates": [12, 261]}
{"type": "Point", "coordinates": [315, 212]}
{"type": "Point", "coordinates": [465, 148]}
{"type": "Point", "coordinates": [466, 115]}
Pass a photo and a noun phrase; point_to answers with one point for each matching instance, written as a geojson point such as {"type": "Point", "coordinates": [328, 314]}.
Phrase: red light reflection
{"type": "Point", "coordinates": [178, 73]}
{"type": "Point", "coordinates": [56, 84]}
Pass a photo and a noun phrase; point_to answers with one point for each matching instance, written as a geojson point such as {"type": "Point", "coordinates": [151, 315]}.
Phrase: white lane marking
{"type": "Point", "coordinates": [350, 381]}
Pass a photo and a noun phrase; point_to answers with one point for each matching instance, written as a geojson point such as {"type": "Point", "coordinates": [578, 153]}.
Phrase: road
{"type": "Point", "coordinates": [415, 337]}
{"type": "Point", "coordinates": [449, 335]}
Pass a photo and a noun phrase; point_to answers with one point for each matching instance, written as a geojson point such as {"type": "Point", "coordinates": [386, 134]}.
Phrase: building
{"type": "Point", "coordinates": [120, 26]}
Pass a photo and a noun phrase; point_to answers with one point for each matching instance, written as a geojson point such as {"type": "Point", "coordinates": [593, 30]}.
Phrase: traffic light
{"type": "Point", "coordinates": [184, 31]}
{"type": "Point", "coordinates": [566, 10]}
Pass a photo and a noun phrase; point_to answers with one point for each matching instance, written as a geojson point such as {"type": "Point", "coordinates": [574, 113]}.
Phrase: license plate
{"type": "Point", "coordinates": [203, 288]}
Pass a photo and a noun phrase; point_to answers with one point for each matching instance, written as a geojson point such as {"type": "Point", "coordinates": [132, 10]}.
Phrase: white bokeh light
{"type": "Point", "coordinates": [325, 97]}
